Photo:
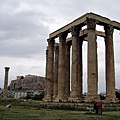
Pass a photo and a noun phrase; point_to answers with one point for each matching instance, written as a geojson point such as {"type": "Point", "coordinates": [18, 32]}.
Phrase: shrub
{"type": "Point", "coordinates": [39, 97]}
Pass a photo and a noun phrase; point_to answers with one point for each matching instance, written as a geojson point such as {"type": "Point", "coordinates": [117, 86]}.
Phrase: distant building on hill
{"type": "Point", "coordinates": [29, 85]}
{"type": "Point", "coordinates": [29, 82]}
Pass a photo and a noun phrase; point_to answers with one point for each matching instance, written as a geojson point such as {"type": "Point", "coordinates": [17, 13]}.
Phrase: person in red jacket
{"type": "Point", "coordinates": [100, 108]}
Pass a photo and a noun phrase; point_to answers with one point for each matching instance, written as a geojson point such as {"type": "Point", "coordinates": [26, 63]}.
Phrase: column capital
{"type": "Point", "coordinates": [50, 41]}
{"type": "Point", "coordinates": [108, 29]}
{"type": "Point", "coordinates": [7, 68]}
{"type": "Point", "coordinates": [62, 36]}
{"type": "Point", "coordinates": [75, 30]}
{"type": "Point", "coordinates": [91, 23]}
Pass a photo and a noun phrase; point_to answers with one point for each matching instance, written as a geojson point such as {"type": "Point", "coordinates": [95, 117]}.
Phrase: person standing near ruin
{"type": "Point", "coordinates": [95, 107]}
{"type": "Point", "coordinates": [100, 108]}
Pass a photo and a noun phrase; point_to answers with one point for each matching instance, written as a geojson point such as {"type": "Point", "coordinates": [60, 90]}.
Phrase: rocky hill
{"type": "Point", "coordinates": [29, 82]}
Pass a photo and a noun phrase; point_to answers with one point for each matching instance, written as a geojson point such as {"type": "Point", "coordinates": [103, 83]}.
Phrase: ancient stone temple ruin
{"type": "Point", "coordinates": [58, 75]}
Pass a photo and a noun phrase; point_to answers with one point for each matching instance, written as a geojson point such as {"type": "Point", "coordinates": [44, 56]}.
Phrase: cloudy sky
{"type": "Point", "coordinates": [26, 24]}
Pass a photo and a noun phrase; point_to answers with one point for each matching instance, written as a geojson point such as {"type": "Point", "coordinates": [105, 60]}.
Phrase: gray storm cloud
{"type": "Point", "coordinates": [26, 24]}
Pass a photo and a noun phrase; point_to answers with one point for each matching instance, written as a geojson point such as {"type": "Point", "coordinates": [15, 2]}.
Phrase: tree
{"type": "Point", "coordinates": [117, 93]}
{"type": "Point", "coordinates": [39, 97]}
{"type": "Point", "coordinates": [102, 96]}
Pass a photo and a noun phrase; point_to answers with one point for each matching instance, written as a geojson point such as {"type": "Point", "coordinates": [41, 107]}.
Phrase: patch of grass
{"type": "Point", "coordinates": [33, 113]}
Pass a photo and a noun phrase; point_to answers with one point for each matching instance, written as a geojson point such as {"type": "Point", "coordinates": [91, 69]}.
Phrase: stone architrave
{"type": "Point", "coordinates": [55, 89]}
{"type": "Point", "coordinates": [74, 95]}
{"type": "Point", "coordinates": [92, 61]}
{"type": "Point", "coordinates": [50, 66]}
{"type": "Point", "coordinates": [110, 70]}
{"type": "Point", "coordinates": [6, 83]}
{"type": "Point", "coordinates": [67, 88]}
{"type": "Point", "coordinates": [61, 68]}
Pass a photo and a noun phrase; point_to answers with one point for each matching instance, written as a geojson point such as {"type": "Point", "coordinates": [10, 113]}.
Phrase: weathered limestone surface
{"type": "Point", "coordinates": [5, 82]}
{"type": "Point", "coordinates": [92, 62]}
{"type": "Point", "coordinates": [46, 72]}
{"type": "Point", "coordinates": [74, 75]}
{"type": "Point", "coordinates": [58, 89]}
{"type": "Point", "coordinates": [85, 32]}
{"type": "Point", "coordinates": [110, 70]}
{"type": "Point", "coordinates": [49, 72]}
{"type": "Point", "coordinates": [80, 69]}
{"type": "Point", "coordinates": [82, 22]}
{"type": "Point", "coordinates": [55, 89]}
{"type": "Point", "coordinates": [67, 88]}
{"type": "Point", "coordinates": [61, 68]}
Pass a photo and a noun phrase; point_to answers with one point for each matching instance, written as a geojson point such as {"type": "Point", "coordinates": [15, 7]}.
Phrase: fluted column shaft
{"type": "Point", "coordinates": [68, 69]}
{"type": "Point", "coordinates": [80, 80]}
{"type": "Point", "coordinates": [74, 75]}
{"type": "Point", "coordinates": [50, 66]}
{"type": "Point", "coordinates": [61, 68]}
{"type": "Point", "coordinates": [92, 61]}
{"type": "Point", "coordinates": [46, 73]}
{"type": "Point", "coordinates": [6, 82]}
{"type": "Point", "coordinates": [55, 91]}
{"type": "Point", "coordinates": [110, 71]}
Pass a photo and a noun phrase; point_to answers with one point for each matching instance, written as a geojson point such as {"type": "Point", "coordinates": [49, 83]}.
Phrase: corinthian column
{"type": "Point", "coordinates": [110, 71]}
{"type": "Point", "coordinates": [49, 71]}
{"type": "Point", "coordinates": [92, 61]}
{"type": "Point", "coordinates": [55, 91]}
{"type": "Point", "coordinates": [46, 75]}
{"type": "Point", "coordinates": [74, 96]}
{"type": "Point", "coordinates": [68, 45]}
{"type": "Point", "coordinates": [80, 80]}
{"type": "Point", "coordinates": [6, 82]}
{"type": "Point", "coordinates": [61, 68]}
